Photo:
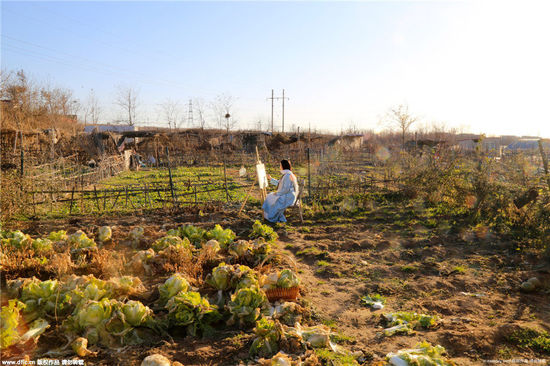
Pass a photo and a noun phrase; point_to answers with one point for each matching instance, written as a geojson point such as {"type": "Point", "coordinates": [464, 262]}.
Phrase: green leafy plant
{"type": "Point", "coordinates": [196, 235]}
{"type": "Point", "coordinates": [226, 277]}
{"type": "Point", "coordinates": [268, 334]}
{"type": "Point", "coordinates": [43, 298]}
{"type": "Point", "coordinates": [172, 286]}
{"type": "Point", "coordinates": [260, 230]}
{"type": "Point", "coordinates": [423, 354]}
{"type": "Point", "coordinates": [10, 319]}
{"type": "Point", "coordinates": [80, 240]}
{"type": "Point", "coordinates": [60, 235]}
{"type": "Point", "coordinates": [224, 237]}
{"type": "Point", "coordinates": [284, 279]}
{"type": "Point", "coordinates": [9, 316]}
{"type": "Point", "coordinates": [189, 309]}
{"type": "Point", "coordinates": [110, 322]}
{"type": "Point", "coordinates": [167, 241]}
{"type": "Point", "coordinates": [375, 301]}
{"type": "Point", "coordinates": [246, 306]}
{"type": "Point", "coordinates": [405, 322]}
{"type": "Point", "coordinates": [105, 233]}
{"type": "Point", "coordinates": [531, 338]}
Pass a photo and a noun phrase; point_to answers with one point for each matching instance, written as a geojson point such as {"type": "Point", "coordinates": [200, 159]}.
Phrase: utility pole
{"type": "Point", "coordinates": [273, 97]}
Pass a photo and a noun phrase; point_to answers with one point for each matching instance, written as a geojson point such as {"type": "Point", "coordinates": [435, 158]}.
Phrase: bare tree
{"type": "Point", "coordinates": [259, 123]}
{"type": "Point", "coordinates": [401, 118]}
{"type": "Point", "coordinates": [200, 109]}
{"type": "Point", "coordinates": [127, 99]}
{"type": "Point", "coordinates": [171, 111]}
{"type": "Point", "coordinates": [92, 110]}
{"type": "Point", "coordinates": [222, 107]}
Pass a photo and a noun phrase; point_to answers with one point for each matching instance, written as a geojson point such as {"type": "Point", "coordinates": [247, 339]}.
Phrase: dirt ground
{"type": "Point", "coordinates": [471, 283]}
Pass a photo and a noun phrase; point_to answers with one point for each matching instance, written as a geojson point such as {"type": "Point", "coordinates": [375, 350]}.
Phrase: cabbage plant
{"type": "Point", "coordinates": [80, 240]}
{"type": "Point", "coordinates": [287, 279]}
{"type": "Point", "coordinates": [173, 285]}
{"type": "Point", "coordinates": [43, 298]}
{"type": "Point", "coordinates": [167, 241]}
{"type": "Point", "coordinates": [111, 322]}
{"type": "Point", "coordinates": [224, 237]}
{"type": "Point", "coordinates": [226, 277]}
{"type": "Point", "coordinates": [239, 249]}
{"type": "Point", "coordinates": [266, 232]}
{"type": "Point", "coordinates": [284, 279]}
{"type": "Point", "coordinates": [423, 354]}
{"type": "Point", "coordinates": [105, 233]}
{"type": "Point", "coordinates": [16, 239]}
{"type": "Point", "coordinates": [60, 235]}
{"type": "Point", "coordinates": [268, 334]}
{"type": "Point", "coordinates": [10, 319]}
{"type": "Point", "coordinates": [9, 316]}
{"type": "Point", "coordinates": [212, 245]}
{"type": "Point", "coordinates": [246, 306]}
{"type": "Point", "coordinates": [190, 310]}
{"type": "Point", "coordinates": [196, 235]}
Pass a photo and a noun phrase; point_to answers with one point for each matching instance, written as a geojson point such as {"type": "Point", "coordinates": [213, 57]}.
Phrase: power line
{"type": "Point", "coordinates": [68, 31]}
{"type": "Point", "coordinates": [139, 77]}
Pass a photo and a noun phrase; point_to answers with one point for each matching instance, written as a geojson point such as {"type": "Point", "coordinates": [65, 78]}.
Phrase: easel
{"type": "Point", "coordinates": [260, 166]}
{"type": "Point", "coordinates": [263, 191]}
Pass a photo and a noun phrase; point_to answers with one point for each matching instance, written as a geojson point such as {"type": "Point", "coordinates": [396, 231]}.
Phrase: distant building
{"type": "Point", "coordinates": [491, 145]}
{"type": "Point", "coordinates": [527, 145]}
{"type": "Point", "coordinates": [109, 128]}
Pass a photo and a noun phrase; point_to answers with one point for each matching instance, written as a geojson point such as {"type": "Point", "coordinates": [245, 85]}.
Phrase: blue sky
{"type": "Point", "coordinates": [480, 67]}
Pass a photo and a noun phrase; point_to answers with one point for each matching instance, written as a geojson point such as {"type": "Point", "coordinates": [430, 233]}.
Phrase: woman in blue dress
{"type": "Point", "coordinates": [287, 190]}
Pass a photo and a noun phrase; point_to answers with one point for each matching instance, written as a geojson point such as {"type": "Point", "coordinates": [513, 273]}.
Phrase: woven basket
{"type": "Point", "coordinates": [289, 294]}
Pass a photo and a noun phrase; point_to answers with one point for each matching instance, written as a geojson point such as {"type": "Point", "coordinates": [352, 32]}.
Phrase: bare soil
{"type": "Point", "coordinates": [471, 285]}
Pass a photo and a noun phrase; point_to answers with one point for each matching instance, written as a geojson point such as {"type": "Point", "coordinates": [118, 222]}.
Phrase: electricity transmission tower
{"type": "Point", "coordinates": [190, 114]}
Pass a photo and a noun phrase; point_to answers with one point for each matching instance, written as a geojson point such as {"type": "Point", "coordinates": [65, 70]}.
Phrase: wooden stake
{"type": "Point", "coordinates": [72, 195]}
{"type": "Point", "coordinates": [170, 175]}
{"type": "Point", "coordinates": [96, 200]}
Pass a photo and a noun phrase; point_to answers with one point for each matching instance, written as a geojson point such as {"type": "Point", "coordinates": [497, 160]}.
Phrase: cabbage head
{"type": "Point", "coordinates": [94, 313]}
{"type": "Point", "coordinates": [224, 237]}
{"type": "Point", "coordinates": [212, 245]}
{"type": "Point", "coordinates": [167, 241]}
{"type": "Point", "coordinates": [191, 310]}
{"type": "Point", "coordinates": [246, 306]}
{"type": "Point", "coordinates": [287, 279]}
{"type": "Point", "coordinates": [172, 286]}
{"type": "Point", "coordinates": [135, 313]}
{"type": "Point", "coordinates": [268, 334]}
{"type": "Point", "coordinates": [60, 235]}
{"type": "Point", "coordinates": [80, 240]}
{"type": "Point", "coordinates": [105, 233]}
{"type": "Point", "coordinates": [239, 248]}
{"type": "Point", "coordinates": [43, 297]}
{"type": "Point", "coordinates": [221, 276]}
{"type": "Point", "coordinates": [9, 321]}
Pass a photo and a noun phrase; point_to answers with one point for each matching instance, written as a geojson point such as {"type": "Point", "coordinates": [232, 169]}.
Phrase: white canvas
{"type": "Point", "coordinates": [262, 177]}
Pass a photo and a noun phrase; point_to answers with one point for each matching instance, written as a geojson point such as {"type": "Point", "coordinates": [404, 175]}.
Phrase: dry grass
{"type": "Point", "coordinates": [106, 263]}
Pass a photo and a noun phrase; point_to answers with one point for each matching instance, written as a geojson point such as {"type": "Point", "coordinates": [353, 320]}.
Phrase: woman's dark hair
{"type": "Point", "coordinates": [285, 164]}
